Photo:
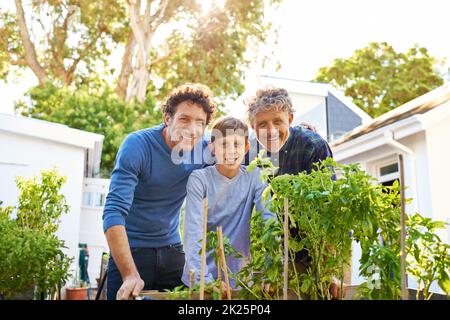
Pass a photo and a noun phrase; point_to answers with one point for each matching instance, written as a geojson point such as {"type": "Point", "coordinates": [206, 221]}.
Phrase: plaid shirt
{"type": "Point", "coordinates": [302, 149]}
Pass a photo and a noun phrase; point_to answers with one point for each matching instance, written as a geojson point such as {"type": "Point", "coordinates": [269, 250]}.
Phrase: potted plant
{"type": "Point", "coordinates": [33, 264]}
{"type": "Point", "coordinates": [77, 291]}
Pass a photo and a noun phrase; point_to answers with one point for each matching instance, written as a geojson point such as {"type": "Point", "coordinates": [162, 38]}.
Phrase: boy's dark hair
{"type": "Point", "coordinates": [227, 124]}
{"type": "Point", "coordinates": [195, 93]}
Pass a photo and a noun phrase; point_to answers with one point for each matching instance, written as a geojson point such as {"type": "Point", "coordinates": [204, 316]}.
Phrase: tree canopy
{"type": "Point", "coordinates": [103, 65]}
{"type": "Point", "coordinates": [164, 43]}
{"type": "Point", "coordinates": [380, 79]}
{"type": "Point", "coordinates": [94, 111]}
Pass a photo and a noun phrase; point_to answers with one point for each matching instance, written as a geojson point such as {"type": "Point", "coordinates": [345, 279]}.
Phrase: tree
{"type": "Point", "coordinates": [380, 79]}
{"type": "Point", "coordinates": [217, 52]}
{"type": "Point", "coordinates": [94, 111]}
{"type": "Point", "coordinates": [68, 44]}
{"type": "Point", "coordinates": [68, 41]}
{"type": "Point", "coordinates": [60, 41]}
{"type": "Point", "coordinates": [209, 49]}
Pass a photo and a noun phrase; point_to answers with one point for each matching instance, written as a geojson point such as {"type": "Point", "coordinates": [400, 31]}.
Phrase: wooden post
{"type": "Point", "coordinates": [191, 282]}
{"type": "Point", "coordinates": [286, 248]}
{"type": "Point", "coordinates": [224, 261]}
{"type": "Point", "coordinates": [219, 269]}
{"type": "Point", "coordinates": [403, 234]}
{"type": "Point", "coordinates": [202, 275]}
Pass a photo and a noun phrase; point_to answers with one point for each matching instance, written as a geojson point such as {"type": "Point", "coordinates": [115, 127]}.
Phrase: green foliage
{"type": "Point", "coordinates": [428, 257]}
{"type": "Point", "coordinates": [74, 40]}
{"type": "Point", "coordinates": [182, 292]}
{"type": "Point", "coordinates": [380, 79]}
{"type": "Point", "coordinates": [40, 204]}
{"type": "Point", "coordinates": [325, 216]}
{"type": "Point", "coordinates": [93, 111]}
{"type": "Point", "coordinates": [72, 37]}
{"type": "Point", "coordinates": [215, 51]}
{"type": "Point", "coordinates": [266, 264]}
{"type": "Point", "coordinates": [212, 243]}
{"type": "Point", "coordinates": [32, 255]}
{"type": "Point", "coordinates": [9, 43]}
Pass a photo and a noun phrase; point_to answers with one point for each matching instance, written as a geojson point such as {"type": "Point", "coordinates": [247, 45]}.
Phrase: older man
{"type": "Point", "coordinates": [292, 149]}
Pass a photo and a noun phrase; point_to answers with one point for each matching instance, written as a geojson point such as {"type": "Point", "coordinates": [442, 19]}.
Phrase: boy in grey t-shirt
{"type": "Point", "coordinates": [231, 191]}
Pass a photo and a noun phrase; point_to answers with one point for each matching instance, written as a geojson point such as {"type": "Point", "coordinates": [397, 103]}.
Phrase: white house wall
{"type": "Point", "coordinates": [91, 233]}
{"type": "Point", "coordinates": [310, 109]}
{"type": "Point", "coordinates": [438, 138]}
{"type": "Point", "coordinates": [27, 156]}
{"type": "Point", "coordinates": [369, 161]}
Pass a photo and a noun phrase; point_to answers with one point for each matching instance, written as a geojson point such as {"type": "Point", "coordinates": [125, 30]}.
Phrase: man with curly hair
{"type": "Point", "coordinates": [148, 186]}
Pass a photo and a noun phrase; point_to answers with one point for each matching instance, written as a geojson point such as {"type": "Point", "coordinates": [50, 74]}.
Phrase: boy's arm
{"type": "Point", "coordinates": [193, 227]}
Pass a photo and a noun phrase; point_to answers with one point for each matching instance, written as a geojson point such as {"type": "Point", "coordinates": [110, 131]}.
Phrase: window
{"type": "Point", "coordinates": [387, 173]}
{"type": "Point", "coordinates": [94, 199]}
{"type": "Point", "coordinates": [392, 168]}
{"type": "Point", "coordinates": [87, 199]}
{"type": "Point", "coordinates": [100, 199]}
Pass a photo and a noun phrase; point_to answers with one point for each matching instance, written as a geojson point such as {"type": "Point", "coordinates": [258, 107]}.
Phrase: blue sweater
{"type": "Point", "coordinates": [147, 188]}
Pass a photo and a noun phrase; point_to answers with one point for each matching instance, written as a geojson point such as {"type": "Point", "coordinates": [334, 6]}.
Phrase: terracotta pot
{"type": "Point", "coordinates": [76, 293]}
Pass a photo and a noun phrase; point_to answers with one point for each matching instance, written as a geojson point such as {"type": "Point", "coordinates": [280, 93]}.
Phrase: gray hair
{"type": "Point", "coordinates": [268, 98]}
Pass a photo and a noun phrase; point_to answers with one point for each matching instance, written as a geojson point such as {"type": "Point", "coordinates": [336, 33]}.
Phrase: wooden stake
{"type": "Point", "coordinates": [219, 270]}
{"type": "Point", "coordinates": [286, 248]}
{"type": "Point", "coordinates": [191, 282]}
{"type": "Point", "coordinates": [224, 261]}
{"type": "Point", "coordinates": [403, 233]}
{"type": "Point", "coordinates": [202, 275]}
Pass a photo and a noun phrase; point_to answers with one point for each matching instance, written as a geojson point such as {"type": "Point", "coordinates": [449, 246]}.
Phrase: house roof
{"type": "Point", "coordinates": [316, 89]}
{"type": "Point", "coordinates": [416, 106]}
{"type": "Point", "coordinates": [57, 133]}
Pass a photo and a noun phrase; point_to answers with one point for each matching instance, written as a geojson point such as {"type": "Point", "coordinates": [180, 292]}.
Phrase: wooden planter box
{"type": "Point", "coordinates": [156, 295]}
{"type": "Point", "coordinates": [350, 293]}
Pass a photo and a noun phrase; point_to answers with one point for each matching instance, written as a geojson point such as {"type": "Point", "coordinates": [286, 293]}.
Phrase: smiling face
{"type": "Point", "coordinates": [230, 150]}
{"type": "Point", "coordinates": [187, 126]}
{"type": "Point", "coordinates": [272, 128]}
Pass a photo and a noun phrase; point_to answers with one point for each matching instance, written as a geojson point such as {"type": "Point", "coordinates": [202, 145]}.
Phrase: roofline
{"type": "Point", "coordinates": [59, 133]}
{"type": "Point", "coordinates": [424, 103]}
{"type": "Point", "coordinates": [375, 139]}
{"type": "Point", "coordinates": [365, 117]}
{"type": "Point", "coordinates": [320, 89]}
{"type": "Point", "coordinates": [48, 131]}
{"type": "Point", "coordinates": [300, 86]}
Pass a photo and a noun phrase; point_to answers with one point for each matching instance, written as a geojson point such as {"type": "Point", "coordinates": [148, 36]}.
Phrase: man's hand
{"type": "Point", "coordinates": [132, 283]}
{"type": "Point", "coordinates": [309, 127]}
{"type": "Point", "coordinates": [131, 286]}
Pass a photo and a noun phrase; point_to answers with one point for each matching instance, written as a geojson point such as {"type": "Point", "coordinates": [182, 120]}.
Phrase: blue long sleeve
{"type": "Point", "coordinates": [147, 189]}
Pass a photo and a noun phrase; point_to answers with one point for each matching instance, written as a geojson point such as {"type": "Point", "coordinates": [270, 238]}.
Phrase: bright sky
{"type": "Point", "coordinates": [313, 33]}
